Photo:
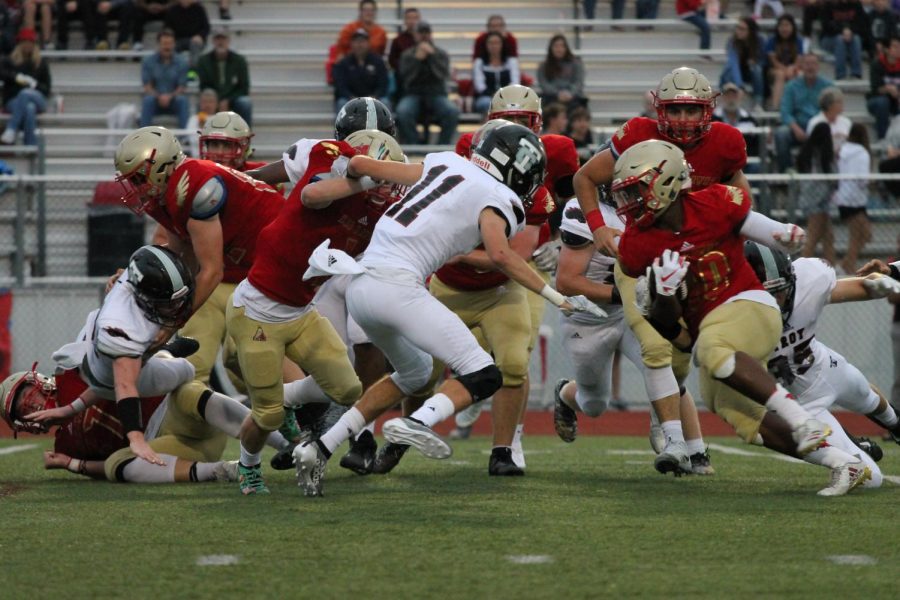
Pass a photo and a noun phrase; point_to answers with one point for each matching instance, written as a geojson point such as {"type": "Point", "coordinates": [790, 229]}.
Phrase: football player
{"type": "Point", "coordinates": [225, 139]}
{"type": "Point", "coordinates": [453, 205]}
{"type": "Point", "coordinates": [717, 153]}
{"type": "Point", "coordinates": [692, 244]}
{"type": "Point", "coordinates": [272, 313]}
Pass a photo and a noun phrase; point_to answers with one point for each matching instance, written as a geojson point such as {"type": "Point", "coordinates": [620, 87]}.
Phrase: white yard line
{"type": "Point", "coordinates": [742, 452]}
{"type": "Point", "coordinates": [852, 559]}
{"type": "Point", "coordinates": [14, 449]}
{"type": "Point", "coordinates": [217, 560]}
{"type": "Point", "coordinates": [529, 559]}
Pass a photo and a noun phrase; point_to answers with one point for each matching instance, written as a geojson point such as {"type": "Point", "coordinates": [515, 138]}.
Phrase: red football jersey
{"type": "Point", "coordinates": [285, 245]}
{"type": "Point", "coordinates": [709, 239]}
{"type": "Point", "coordinates": [96, 433]}
{"type": "Point", "coordinates": [250, 165]}
{"type": "Point", "coordinates": [247, 207]}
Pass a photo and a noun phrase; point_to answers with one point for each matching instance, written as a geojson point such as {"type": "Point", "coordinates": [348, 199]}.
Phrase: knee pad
{"type": "Point", "coordinates": [268, 418]}
{"type": "Point", "coordinates": [482, 384]}
{"type": "Point", "coordinates": [514, 371]}
{"type": "Point", "coordinates": [349, 393]}
{"type": "Point", "coordinates": [260, 367]}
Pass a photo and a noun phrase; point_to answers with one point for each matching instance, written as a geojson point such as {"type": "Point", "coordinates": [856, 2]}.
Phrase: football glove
{"type": "Point", "coordinates": [339, 166]}
{"type": "Point", "coordinates": [582, 304]}
{"type": "Point", "coordinates": [669, 271]}
{"type": "Point", "coordinates": [791, 237]}
{"type": "Point", "coordinates": [546, 257]}
{"type": "Point", "coordinates": [880, 286]}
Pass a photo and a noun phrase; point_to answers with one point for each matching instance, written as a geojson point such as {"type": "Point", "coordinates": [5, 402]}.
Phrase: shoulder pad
{"type": "Point", "coordinates": [209, 199]}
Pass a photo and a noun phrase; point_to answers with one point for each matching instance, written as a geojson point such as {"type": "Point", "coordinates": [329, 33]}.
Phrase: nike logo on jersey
{"type": "Point", "coordinates": [260, 335]}
{"type": "Point", "coordinates": [685, 247]}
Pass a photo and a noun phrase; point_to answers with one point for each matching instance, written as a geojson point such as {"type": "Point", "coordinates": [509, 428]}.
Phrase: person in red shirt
{"type": "Point", "coordinates": [368, 12]}
{"type": "Point", "coordinates": [496, 23]}
{"type": "Point", "coordinates": [692, 242]}
{"type": "Point", "coordinates": [404, 39]}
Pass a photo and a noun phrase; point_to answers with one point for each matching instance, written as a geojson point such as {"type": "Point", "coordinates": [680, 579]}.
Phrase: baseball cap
{"type": "Point", "coordinates": [360, 33]}
{"type": "Point", "coordinates": [423, 27]}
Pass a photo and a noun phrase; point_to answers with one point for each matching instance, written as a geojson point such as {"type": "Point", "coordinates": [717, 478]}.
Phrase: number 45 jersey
{"type": "Point", "coordinates": [438, 217]}
{"type": "Point", "coordinates": [799, 358]}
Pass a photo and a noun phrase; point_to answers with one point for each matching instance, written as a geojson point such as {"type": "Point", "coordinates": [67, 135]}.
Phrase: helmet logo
{"type": "Point", "coordinates": [134, 274]}
{"type": "Point", "coordinates": [527, 156]}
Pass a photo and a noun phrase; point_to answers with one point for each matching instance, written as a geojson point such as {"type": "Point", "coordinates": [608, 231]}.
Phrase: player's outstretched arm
{"type": "Point", "coordinates": [207, 246]}
{"type": "Point", "coordinates": [384, 170]}
{"type": "Point", "coordinates": [59, 415]}
{"type": "Point", "coordinates": [323, 192]}
{"type": "Point", "coordinates": [774, 234]}
{"type": "Point", "coordinates": [599, 170]}
{"type": "Point", "coordinates": [871, 287]}
{"type": "Point", "coordinates": [570, 279]}
{"type": "Point", "coordinates": [89, 468]}
{"type": "Point", "coordinates": [272, 173]}
{"type": "Point", "coordinates": [126, 370]}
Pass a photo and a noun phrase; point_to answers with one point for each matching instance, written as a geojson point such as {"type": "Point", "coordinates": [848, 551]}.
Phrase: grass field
{"type": "Point", "coordinates": [590, 520]}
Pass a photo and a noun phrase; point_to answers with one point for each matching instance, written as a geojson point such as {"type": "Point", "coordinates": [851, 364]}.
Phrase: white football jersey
{"type": "Point", "coordinates": [296, 158]}
{"type": "Point", "coordinates": [600, 268]}
{"type": "Point", "coordinates": [799, 357]}
{"type": "Point", "coordinates": [120, 329]}
{"type": "Point", "coordinates": [437, 219]}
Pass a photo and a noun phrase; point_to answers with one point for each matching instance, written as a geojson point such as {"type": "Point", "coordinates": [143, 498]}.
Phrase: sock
{"type": "Point", "coordinates": [249, 459]}
{"type": "Point", "coordinates": [370, 428]}
{"type": "Point", "coordinates": [517, 436]}
{"type": "Point", "coordinates": [350, 423]}
{"type": "Point", "coordinates": [224, 413]}
{"type": "Point", "coordinates": [303, 391]}
{"type": "Point", "coordinates": [672, 431]}
{"type": "Point", "coordinates": [204, 471]}
{"type": "Point", "coordinates": [839, 439]}
{"type": "Point", "coordinates": [695, 446]}
{"type": "Point", "coordinates": [140, 471]}
{"type": "Point", "coordinates": [829, 456]}
{"type": "Point", "coordinates": [887, 417]}
{"type": "Point", "coordinates": [436, 409]}
{"type": "Point", "coordinates": [783, 404]}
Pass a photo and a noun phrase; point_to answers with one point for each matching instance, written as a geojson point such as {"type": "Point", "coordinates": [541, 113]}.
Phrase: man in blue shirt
{"type": "Point", "coordinates": [799, 103]}
{"type": "Point", "coordinates": [359, 74]}
{"type": "Point", "coordinates": [164, 75]}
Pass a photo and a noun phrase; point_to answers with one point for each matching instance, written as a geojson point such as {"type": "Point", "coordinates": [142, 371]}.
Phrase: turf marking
{"type": "Point", "coordinates": [529, 559]}
{"type": "Point", "coordinates": [14, 449]}
{"type": "Point", "coordinates": [632, 452]}
{"type": "Point", "coordinates": [741, 452]}
{"type": "Point", "coordinates": [459, 463]}
{"type": "Point", "coordinates": [217, 560]}
{"type": "Point", "coordinates": [892, 478]}
{"type": "Point", "coordinates": [852, 559]}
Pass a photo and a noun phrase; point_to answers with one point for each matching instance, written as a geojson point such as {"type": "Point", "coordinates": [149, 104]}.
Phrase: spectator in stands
{"type": "Point", "coordinates": [78, 10]}
{"type": "Point", "coordinates": [816, 156]}
{"type": "Point", "coordinates": [361, 73]}
{"type": "Point", "coordinates": [561, 75]}
{"type": "Point", "coordinates": [883, 24]}
{"type": "Point", "coordinates": [207, 106]}
{"type": "Point", "coordinates": [581, 133]}
{"type": "Point", "coordinates": [831, 111]}
{"type": "Point", "coordinates": [225, 71]}
{"type": "Point", "coordinates": [405, 39]}
{"type": "Point", "coordinates": [7, 29]}
{"type": "Point", "coordinates": [189, 22]}
{"type": "Point", "coordinates": [368, 11]}
{"type": "Point", "coordinates": [26, 87]}
{"type": "Point", "coordinates": [798, 105]}
{"type": "Point", "coordinates": [164, 74]}
{"type": "Point", "coordinates": [694, 12]}
{"type": "Point", "coordinates": [891, 162]}
{"type": "Point", "coordinates": [492, 70]}
{"type": "Point", "coordinates": [146, 11]}
{"type": "Point", "coordinates": [123, 12]}
{"type": "Point", "coordinates": [424, 72]}
{"type": "Point", "coordinates": [30, 11]}
{"type": "Point", "coordinates": [845, 34]}
{"type": "Point", "coordinates": [852, 195]}
{"type": "Point", "coordinates": [556, 119]}
{"type": "Point", "coordinates": [644, 9]}
{"type": "Point", "coordinates": [885, 86]}
{"type": "Point", "coordinates": [225, 11]}
{"type": "Point", "coordinates": [744, 66]}
{"type": "Point", "coordinates": [496, 24]}
{"type": "Point", "coordinates": [730, 111]}
{"type": "Point", "coordinates": [759, 7]}
{"type": "Point", "coordinates": [783, 51]}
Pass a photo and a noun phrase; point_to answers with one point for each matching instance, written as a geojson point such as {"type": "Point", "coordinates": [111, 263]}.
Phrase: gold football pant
{"type": "Point", "coordinates": [207, 326]}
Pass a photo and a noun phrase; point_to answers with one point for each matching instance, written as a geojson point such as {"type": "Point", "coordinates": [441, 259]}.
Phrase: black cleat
{"type": "Point", "coordinates": [701, 465]}
{"type": "Point", "coordinates": [284, 458]}
{"type": "Point", "coordinates": [868, 446]}
{"type": "Point", "coordinates": [565, 421]}
{"type": "Point", "coordinates": [388, 457]}
{"type": "Point", "coordinates": [361, 457]}
{"type": "Point", "coordinates": [181, 347]}
{"type": "Point", "coordinates": [502, 464]}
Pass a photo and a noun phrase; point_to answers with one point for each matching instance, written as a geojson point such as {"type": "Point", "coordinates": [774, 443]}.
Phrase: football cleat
{"type": "Point", "coordinates": [467, 417]}
{"type": "Point", "coordinates": [388, 457]}
{"type": "Point", "coordinates": [810, 435]}
{"type": "Point", "coordinates": [310, 462]}
{"type": "Point", "coordinates": [657, 438]}
{"type": "Point", "coordinates": [868, 446]}
{"type": "Point", "coordinates": [284, 458]}
{"type": "Point", "coordinates": [565, 420]}
{"type": "Point", "coordinates": [226, 470]}
{"type": "Point", "coordinates": [361, 456]}
{"type": "Point", "coordinates": [460, 433]}
{"type": "Point", "coordinates": [501, 463]}
{"type": "Point", "coordinates": [701, 465]}
{"type": "Point", "coordinates": [404, 430]}
{"type": "Point", "coordinates": [518, 454]}
{"type": "Point", "coordinates": [289, 429]}
{"type": "Point", "coordinates": [251, 480]}
{"type": "Point", "coordinates": [673, 459]}
{"type": "Point", "coordinates": [181, 347]}
{"type": "Point", "coordinates": [846, 478]}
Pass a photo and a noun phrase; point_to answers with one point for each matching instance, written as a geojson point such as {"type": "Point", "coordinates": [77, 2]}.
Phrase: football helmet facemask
{"type": "Point", "coordinates": [162, 284]}
{"type": "Point", "coordinates": [363, 113]}
{"type": "Point", "coordinates": [519, 104]}
{"type": "Point", "coordinates": [647, 178]}
{"type": "Point", "coordinates": [775, 272]}
{"type": "Point", "coordinates": [684, 86]}
{"type": "Point", "coordinates": [144, 162]}
{"type": "Point", "coordinates": [513, 155]}
{"type": "Point", "coordinates": [225, 139]}
{"type": "Point", "coordinates": [23, 393]}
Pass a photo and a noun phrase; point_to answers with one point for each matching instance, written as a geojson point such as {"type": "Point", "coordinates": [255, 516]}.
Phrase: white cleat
{"type": "Point", "coordinates": [226, 470]}
{"type": "Point", "coordinates": [673, 459]}
{"type": "Point", "coordinates": [810, 435]}
{"type": "Point", "coordinates": [468, 416]}
{"type": "Point", "coordinates": [424, 439]}
{"type": "Point", "coordinates": [518, 455]}
{"type": "Point", "coordinates": [846, 478]}
{"type": "Point", "coordinates": [310, 463]}
{"type": "Point", "coordinates": [657, 438]}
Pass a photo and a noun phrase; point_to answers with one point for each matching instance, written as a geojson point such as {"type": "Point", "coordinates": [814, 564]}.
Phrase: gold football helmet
{"type": "Point", "coordinates": [225, 139]}
{"type": "Point", "coordinates": [519, 104]}
{"type": "Point", "coordinates": [684, 86]}
{"type": "Point", "coordinates": [380, 146]}
{"type": "Point", "coordinates": [144, 162]}
{"type": "Point", "coordinates": [23, 393]}
{"type": "Point", "coordinates": [647, 178]}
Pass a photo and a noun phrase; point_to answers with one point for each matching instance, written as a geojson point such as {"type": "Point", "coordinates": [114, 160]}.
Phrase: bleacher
{"type": "Point", "coordinates": [286, 43]}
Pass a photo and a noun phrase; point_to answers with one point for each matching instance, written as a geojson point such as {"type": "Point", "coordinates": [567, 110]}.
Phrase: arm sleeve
{"type": "Point", "coordinates": [760, 228]}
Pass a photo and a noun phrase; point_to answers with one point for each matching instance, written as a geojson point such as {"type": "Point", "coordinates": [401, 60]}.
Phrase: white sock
{"type": "Point", "coordinates": [350, 423]}
{"type": "Point", "coordinates": [829, 456]}
{"type": "Point", "coordinates": [141, 471]}
{"type": "Point", "coordinates": [303, 391]}
{"type": "Point", "coordinates": [696, 446]}
{"type": "Point", "coordinates": [277, 441]}
{"type": "Point", "coordinates": [249, 459]}
{"type": "Point", "coordinates": [225, 414]}
{"type": "Point", "coordinates": [839, 439]}
{"type": "Point", "coordinates": [783, 404]}
{"type": "Point", "coordinates": [517, 436]}
{"type": "Point", "coordinates": [205, 471]}
{"type": "Point", "coordinates": [887, 417]}
{"type": "Point", "coordinates": [436, 409]}
{"type": "Point", "coordinates": [672, 431]}
{"type": "Point", "coordinates": [370, 428]}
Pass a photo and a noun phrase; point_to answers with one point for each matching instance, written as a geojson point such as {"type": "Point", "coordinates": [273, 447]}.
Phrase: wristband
{"type": "Point", "coordinates": [130, 414]}
{"type": "Point", "coordinates": [594, 220]}
{"type": "Point", "coordinates": [616, 298]}
{"type": "Point", "coordinates": [669, 331]}
{"type": "Point", "coordinates": [895, 270]}
{"type": "Point", "coordinates": [78, 405]}
{"type": "Point", "coordinates": [76, 465]}
{"type": "Point", "coordinates": [552, 295]}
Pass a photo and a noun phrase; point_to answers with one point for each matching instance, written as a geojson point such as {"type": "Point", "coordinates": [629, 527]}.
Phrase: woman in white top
{"type": "Point", "coordinates": [852, 195]}
{"type": "Point", "coordinates": [492, 70]}
{"type": "Point", "coordinates": [831, 111]}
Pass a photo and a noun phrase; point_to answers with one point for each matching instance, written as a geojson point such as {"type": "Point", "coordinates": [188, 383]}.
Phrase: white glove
{"type": "Point", "coordinates": [339, 166]}
{"type": "Point", "coordinates": [582, 304]}
{"type": "Point", "coordinates": [642, 293]}
{"type": "Point", "coordinates": [368, 183]}
{"type": "Point", "coordinates": [880, 286]}
{"type": "Point", "coordinates": [669, 270]}
{"type": "Point", "coordinates": [791, 238]}
{"type": "Point", "coordinates": [546, 257]}
{"type": "Point", "coordinates": [23, 79]}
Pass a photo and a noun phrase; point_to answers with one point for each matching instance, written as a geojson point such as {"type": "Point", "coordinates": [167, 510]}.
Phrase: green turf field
{"type": "Point", "coordinates": [590, 520]}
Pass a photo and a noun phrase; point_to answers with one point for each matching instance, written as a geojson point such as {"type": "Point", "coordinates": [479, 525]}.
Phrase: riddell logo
{"type": "Point", "coordinates": [260, 335]}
